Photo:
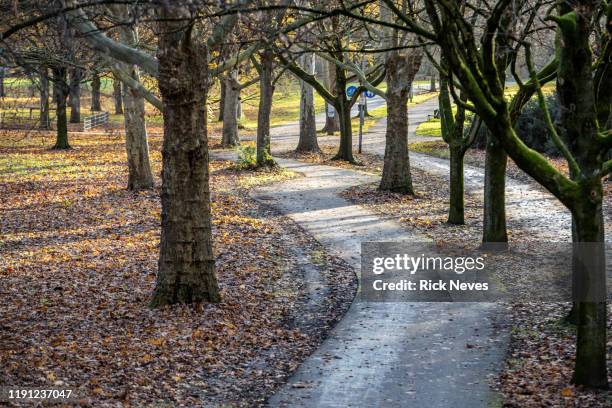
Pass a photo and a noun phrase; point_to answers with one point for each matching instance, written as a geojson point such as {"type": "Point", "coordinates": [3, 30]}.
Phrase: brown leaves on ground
{"type": "Point", "coordinates": [426, 212]}
{"type": "Point", "coordinates": [364, 161]}
{"type": "Point", "coordinates": [539, 365]}
{"type": "Point", "coordinates": [78, 263]}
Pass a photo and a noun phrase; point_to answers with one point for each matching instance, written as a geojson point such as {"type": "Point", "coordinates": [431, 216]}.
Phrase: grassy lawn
{"type": "Point", "coordinates": [381, 111]}
{"type": "Point", "coordinates": [432, 126]}
{"type": "Point", "coordinates": [285, 107]}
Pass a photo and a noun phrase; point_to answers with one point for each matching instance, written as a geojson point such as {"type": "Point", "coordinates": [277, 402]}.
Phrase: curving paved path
{"type": "Point", "coordinates": [380, 354]}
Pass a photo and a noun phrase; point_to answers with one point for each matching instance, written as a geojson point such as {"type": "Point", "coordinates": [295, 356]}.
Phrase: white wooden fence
{"type": "Point", "coordinates": [95, 120]}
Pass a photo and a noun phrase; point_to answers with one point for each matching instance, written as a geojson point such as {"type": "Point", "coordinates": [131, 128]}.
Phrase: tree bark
{"type": "Point", "coordinates": [186, 271]}
{"type": "Point", "coordinates": [579, 128]}
{"type": "Point", "coordinates": [2, 91]}
{"type": "Point", "coordinates": [343, 111]}
{"type": "Point", "coordinates": [332, 123]}
{"type": "Point", "coordinates": [140, 176]}
{"type": "Point", "coordinates": [590, 277]}
{"type": "Point", "coordinates": [44, 99]}
{"type": "Point", "coordinates": [308, 129]}
{"type": "Point", "coordinates": [95, 93]}
{"type": "Point", "coordinates": [230, 110]}
{"type": "Point", "coordinates": [396, 175]}
{"type": "Point", "coordinates": [136, 143]}
{"type": "Point", "coordinates": [221, 100]}
{"type": "Point", "coordinates": [118, 101]}
{"type": "Point", "coordinates": [266, 91]}
{"type": "Point", "coordinates": [494, 221]}
{"type": "Point", "coordinates": [75, 95]}
{"type": "Point", "coordinates": [61, 90]}
{"type": "Point", "coordinates": [456, 210]}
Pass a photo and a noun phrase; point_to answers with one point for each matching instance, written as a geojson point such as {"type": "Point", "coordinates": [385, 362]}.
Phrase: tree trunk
{"type": "Point", "coordinates": [44, 100]}
{"type": "Point", "coordinates": [186, 271]}
{"type": "Point", "coordinates": [118, 100]}
{"type": "Point", "coordinates": [456, 208]}
{"type": "Point", "coordinates": [396, 175]}
{"type": "Point", "coordinates": [140, 176]}
{"type": "Point", "coordinates": [230, 111]}
{"type": "Point", "coordinates": [221, 100]}
{"type": "Point", "coordinates": [590, 277]}
{"type": "Point", "coordinates": [75, 95]}
{"type": "Point", "coordinates": [266, 91]}
{"type": "Point", "coordinates": [95, 93]}
{"type": "Point", "coordinates": [432, 84]}
{"type": "Point", "coordinates": [345, 150]}
{"type": "Point", "coordinates": [332, 119]}
{"type": "Point", "coordinates": [61, 90]}
{"type": "Point", "coordinates": [2, 92]}
{"type": "Point", "coordinates": [579, 127]}
{"type": "Point", "coordinates": [308, 129]}
{"type": "Point", "coordinates": [343, 111]}
{"type": "Point", "coordinates": [494, 221]}
{"type": "Point", "coordinates": [239, 113]}
{"type": "Point", "coordinates": [136, 144]}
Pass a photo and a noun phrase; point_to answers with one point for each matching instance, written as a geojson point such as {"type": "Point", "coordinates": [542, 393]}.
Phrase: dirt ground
{"type": "Point", "coordinates": [78, 262]}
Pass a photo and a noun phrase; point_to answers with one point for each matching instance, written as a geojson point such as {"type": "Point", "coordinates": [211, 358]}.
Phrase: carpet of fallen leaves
{"type": "Point", "coordinates": [363, 161]}
{"type": "Point", "coordinates": [539, 363]}
{"type": "Point", "coordinates": [78, 258]}
{"type": "Point", "coordinates": [541, 355]}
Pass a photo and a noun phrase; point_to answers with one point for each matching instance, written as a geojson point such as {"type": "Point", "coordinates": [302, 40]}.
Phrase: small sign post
{"type": "Point", "coordinates": [362, 104]}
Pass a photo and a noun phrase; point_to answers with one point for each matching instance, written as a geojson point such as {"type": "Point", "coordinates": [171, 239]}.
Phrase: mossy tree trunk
{"type": "Point", "coordinates": [60, 93]}
{"type": "Point", "coordinates": [494, 220]}
{"type": "Point", "coordinates": [186, 271]}
{"type": "Point", "coordinates": [583, 97]}
{"type": "Point", "coordinates": [453, 134]}
{"type": "Point", "coordinates": [456, 208]}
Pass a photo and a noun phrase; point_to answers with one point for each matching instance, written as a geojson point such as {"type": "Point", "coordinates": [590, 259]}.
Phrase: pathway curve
{"type": "Point", "coordinates": [380, 354]}
{"type": "Point", "coordinates": [528, 205]}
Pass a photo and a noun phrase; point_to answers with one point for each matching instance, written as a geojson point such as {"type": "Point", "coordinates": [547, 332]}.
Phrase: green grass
{"type": "Point", "coordinates": [430, 128]}
{"type": "Point", "coordinates": [436, 148]}
{"type": "Point", "coordinates": [285, 109]}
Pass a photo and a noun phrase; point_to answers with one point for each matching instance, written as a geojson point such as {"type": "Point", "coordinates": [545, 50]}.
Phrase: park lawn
{"type": "Point", "coordinates": [380, 112]}
{"type": "Point", "coordinates": [432, 127]}
{"type": "Point", "coordinates": [285, 106]}
{"type": "Point", "coordinates": [285, 109]}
